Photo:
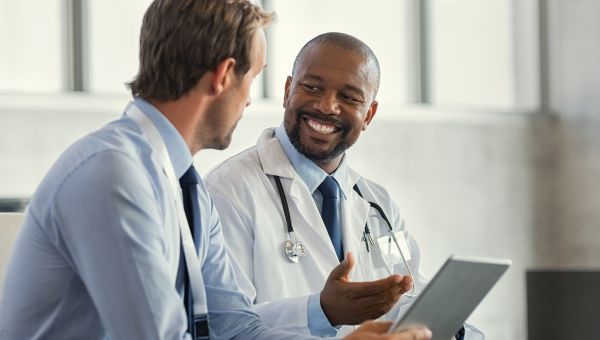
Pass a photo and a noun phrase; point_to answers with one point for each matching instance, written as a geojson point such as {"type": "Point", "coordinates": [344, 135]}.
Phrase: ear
{"type": "Point", "coordinates": [223, 75]}
{"type": "Point", "coordinates": [370, 114]}
{"type": "Point", "coordinates": [286, 91]}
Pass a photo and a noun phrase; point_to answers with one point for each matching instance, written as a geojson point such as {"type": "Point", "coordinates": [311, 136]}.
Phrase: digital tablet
{"type": "Point", "coordinates": [452, 295]}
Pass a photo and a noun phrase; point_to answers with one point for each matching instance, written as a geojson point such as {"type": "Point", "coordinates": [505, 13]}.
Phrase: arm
{"type": "Point", "coordinates": [115, 239]}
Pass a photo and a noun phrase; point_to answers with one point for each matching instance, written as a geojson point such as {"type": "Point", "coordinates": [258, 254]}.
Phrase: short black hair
{"type": "Point", "coordinates": [345, 41]}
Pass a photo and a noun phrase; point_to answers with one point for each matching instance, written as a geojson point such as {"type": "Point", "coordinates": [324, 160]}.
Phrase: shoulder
{"type": "Point", "coordinates": [239, 181]}
{"type": "Point", "coordinates": [369, 188]}
{"type": "Point", "coordinates": [237, 169]}
{"type": "Point", "coordinates": [114, 156]}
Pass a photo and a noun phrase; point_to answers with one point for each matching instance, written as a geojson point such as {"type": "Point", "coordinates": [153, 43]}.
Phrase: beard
{"type": "Point", "coordinates": [218, 142]}
{"type": "Point", "coordinates": [216, 130]}
{"type": "Point", "coordinates": [316, 156]}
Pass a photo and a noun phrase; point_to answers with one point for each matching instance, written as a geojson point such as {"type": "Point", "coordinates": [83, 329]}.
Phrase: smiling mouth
{"type": "Point", "coordinates": [322, 128]}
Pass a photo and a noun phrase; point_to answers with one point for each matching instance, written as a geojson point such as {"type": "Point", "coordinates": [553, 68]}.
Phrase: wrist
{"type": "Point", "coordinates": [325, 306]}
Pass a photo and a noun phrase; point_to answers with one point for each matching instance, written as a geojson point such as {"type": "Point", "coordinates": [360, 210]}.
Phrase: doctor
{"type": "Point", "coordinates": [304, 229]}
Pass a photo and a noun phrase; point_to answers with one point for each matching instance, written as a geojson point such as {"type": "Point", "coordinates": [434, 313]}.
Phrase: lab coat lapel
{"type": "Point", "coordinates": [309, 221]}
{"type": "Point", "coordinates": [355, 211]}
{"type": "Point", "coordinates": [306, 219]}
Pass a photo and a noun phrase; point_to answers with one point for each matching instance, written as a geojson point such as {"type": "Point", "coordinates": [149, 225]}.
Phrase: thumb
{"type": "Point", "coordinates": [342, 271]}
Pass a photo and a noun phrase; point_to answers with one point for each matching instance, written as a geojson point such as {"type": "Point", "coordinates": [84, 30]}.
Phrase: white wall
{"type": "Point", "coordinates": [575, 93]}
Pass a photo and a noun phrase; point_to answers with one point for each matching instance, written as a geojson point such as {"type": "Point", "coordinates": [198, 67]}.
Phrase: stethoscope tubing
{"type": "Point", "coordinates": [366, 234]}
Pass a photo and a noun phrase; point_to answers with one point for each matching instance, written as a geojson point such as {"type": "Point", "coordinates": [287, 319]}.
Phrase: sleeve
{"type": "Point", "coordinates": [231, 315]}
{"type": "Point", "coordinates": [111, 230]}
{"type": "Point", "coordinates": [473, 333]}
{"type": "Point", "coordinates": [295, 314]}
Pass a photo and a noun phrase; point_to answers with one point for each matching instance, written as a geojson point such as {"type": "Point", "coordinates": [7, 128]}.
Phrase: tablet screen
{"type": "Point", "coordinates": [452, 295]}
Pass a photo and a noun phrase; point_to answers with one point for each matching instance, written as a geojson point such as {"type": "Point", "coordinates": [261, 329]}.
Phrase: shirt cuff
{"type": "Point", "coordinates": [318, 324]}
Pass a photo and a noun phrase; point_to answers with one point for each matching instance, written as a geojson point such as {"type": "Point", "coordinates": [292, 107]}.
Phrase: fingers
{"type": "Point", "coordinates": [369, 288]}
{"type": "Point", "coordinates": [342, 271]}
{"type": "Point", "coordinates": [377, 327]}
{"type": "Point", "coordinates": [378, 331]}
{"type": "Point", "coordinates": [374, 307]}
{"type": "Point", "coordinates": [419, 333]}
{"type": "Point", "coordinates": [407, 283]}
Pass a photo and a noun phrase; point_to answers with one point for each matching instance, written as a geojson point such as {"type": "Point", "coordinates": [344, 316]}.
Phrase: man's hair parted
{"type": "Point", "coordinates": [181, 40]}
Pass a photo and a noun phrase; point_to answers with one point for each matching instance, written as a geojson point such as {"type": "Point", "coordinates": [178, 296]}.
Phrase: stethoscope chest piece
{"type": "Point", "coordinates": [294, 250]}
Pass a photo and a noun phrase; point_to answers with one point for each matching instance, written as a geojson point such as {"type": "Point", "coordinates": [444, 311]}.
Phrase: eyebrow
{"type": "Point", "coordinates": [346, 86]}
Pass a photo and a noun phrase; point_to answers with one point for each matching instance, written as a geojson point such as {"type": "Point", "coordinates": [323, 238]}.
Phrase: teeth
{"type": "Point", "coordinates": [324, 129]}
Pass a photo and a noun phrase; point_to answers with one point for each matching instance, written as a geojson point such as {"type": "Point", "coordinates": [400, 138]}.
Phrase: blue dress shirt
{"type": "Point", "coordinates": [98, 251]}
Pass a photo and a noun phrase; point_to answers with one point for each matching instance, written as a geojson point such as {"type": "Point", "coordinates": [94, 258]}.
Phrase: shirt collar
{"type": "Point", "coordinates": [179, 152]}
{"type": "Point", "coordinates": [310, 173]}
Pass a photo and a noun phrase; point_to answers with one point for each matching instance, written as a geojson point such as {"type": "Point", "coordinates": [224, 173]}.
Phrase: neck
{"type": "Point", "coordinates": [184, 113]}
{"type": "Point", "coordinates": [329, 166]}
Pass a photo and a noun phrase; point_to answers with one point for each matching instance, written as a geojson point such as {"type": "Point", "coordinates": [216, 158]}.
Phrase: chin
{"type": "Point", "coordinates": [224, 143]}
{"type": "Point", "coordinates": [222, 146]}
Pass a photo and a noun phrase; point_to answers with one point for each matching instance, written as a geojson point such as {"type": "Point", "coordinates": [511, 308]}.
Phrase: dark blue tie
{"type": "Point", "coordinates": [189, 188]}
{"type": "Point", "coordinates": [331, 213]}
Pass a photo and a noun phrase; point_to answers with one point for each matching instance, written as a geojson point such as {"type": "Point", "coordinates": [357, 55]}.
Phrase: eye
{"type": "Point", "coordinates": [310, 88]}
{"type": "Point", "coordinates": [350, 99]}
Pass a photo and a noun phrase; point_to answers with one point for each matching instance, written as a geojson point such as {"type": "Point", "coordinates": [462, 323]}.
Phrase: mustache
{"type": "Point", "coordinates": [321, 117]}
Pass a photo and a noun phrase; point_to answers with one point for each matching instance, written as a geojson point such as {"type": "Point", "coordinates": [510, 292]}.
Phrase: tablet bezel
{"type": "Point", "coordinates": [452, 295]}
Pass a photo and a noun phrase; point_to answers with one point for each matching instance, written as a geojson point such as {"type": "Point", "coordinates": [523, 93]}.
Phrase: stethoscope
{"type": "Point", "coordinates": [295, 249]}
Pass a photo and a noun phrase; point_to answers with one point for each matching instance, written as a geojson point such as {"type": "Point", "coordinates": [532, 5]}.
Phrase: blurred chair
{"type": "Point", "coordinates": [563, 304]}
{"type": "Point", "coordinates": [9, 225]}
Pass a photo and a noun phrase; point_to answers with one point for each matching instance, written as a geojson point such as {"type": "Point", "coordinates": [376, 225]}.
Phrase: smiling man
{"type": "Point", "coordinates": [293, 211]}
{"type": "Point", "coordinates": [299, 222]}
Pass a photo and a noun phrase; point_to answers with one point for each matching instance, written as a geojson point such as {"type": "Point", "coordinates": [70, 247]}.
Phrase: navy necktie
{"type": "Point", "coordinates": [331, 213]}
{"type": "Point", "coordinates": [189, 188]}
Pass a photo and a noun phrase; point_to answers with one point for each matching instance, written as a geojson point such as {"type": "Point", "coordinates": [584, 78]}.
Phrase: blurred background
{"type": "Point", "coordinates": [487, 134]}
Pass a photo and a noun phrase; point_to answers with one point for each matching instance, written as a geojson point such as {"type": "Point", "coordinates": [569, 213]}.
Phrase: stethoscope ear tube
{"type": "Point", "coordinates": [286, 209]}
{"type": "Point", "coordinates": [369, 239]}
{"type": "Point", "coordinates": [294, 249]}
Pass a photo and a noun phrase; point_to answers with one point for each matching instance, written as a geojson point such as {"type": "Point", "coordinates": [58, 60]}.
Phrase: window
{"type": "Point", "coordinates": [113, 44]}
{"type": "Point", "coordinates": [460, 53]}
{"type": "Point", "coordinates": [471, 56]}
{"type": "Point", "coordinates": [32, 46]}
{"type": "Point", "coordinates": [382, 27]}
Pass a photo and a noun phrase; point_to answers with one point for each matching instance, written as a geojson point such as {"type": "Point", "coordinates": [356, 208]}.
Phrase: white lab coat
{"type": "Point", "coordinates": [254, 227]}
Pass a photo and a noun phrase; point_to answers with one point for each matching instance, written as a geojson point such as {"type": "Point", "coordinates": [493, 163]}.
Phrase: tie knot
{"type": "Point", "coordinates": [329, 188]}
{"type": "Point", "coordinates": [190, 177]}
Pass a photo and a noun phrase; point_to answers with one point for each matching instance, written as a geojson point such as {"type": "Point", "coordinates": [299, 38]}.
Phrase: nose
{"type": "Point", "coordinates": [328, 104]}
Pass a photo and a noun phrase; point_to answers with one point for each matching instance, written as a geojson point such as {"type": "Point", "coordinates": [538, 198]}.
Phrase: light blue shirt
{"type": "Point", "coordinates": [313, 176]}
{"type": "Point", "coordinates": [98, 251]}
{"type": "Point", "coordinates": [310, 173]}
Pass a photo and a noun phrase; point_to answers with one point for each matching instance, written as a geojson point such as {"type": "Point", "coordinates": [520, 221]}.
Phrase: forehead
{"type": "Point", "coordinates": [259, 50]}
{"type": "Point", "coordinates": [334, 63]}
